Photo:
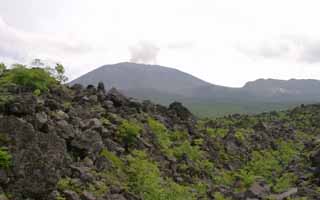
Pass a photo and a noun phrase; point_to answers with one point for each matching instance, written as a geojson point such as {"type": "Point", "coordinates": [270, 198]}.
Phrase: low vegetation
{"type": "Point", "coordinates": [5, 158]}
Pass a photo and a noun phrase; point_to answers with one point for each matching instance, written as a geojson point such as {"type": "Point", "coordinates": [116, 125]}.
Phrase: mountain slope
{"type": "Point", "coordinates": [164, 85]}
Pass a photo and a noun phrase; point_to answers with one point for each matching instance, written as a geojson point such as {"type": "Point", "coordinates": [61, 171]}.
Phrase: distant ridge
{"type": "Point", "coordinates": [164, 85]}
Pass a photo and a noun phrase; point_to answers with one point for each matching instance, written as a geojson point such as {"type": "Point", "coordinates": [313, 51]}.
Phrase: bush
{"type": "Point", "coordinates": [284, 182]}
{"type": "Point", "coordinates": [129, 131]}
{"type": "Point", "coordinates": [145, 180]}
{"type": "Point", "coordinates": [192, 152]}
{"type": "Point", "coordinates": [219, 196]}
{"type": "Point", "coordinates": [116, 161]}
{"type": "Point", "coordinates": [34, 78]}
{"type": "Point", "coordinates": [219, 132]}
{"type": "Point", "coordinates": [5, 159]}
{"type": "Point", "coordinates": [162, 135]}
{"type": "Point", "coordinates": [269, 165]}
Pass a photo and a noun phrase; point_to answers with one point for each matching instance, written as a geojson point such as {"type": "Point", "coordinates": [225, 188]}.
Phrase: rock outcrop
{"type": "Point", "coordinates": [76, 143]}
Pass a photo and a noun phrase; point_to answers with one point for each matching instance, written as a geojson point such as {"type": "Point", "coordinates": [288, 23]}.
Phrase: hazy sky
{"type": "Point", "coordinates": [225, 42]}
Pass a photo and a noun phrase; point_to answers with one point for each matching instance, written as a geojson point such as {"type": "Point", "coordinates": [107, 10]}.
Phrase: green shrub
{"type": "Point", "coordinates": [4, 99]}
{"type": "Point", "coordinates": [242, 133]}
{"type": "Point", "coordinates": [97, 188]}
{"type": "Point", "coordinates": [37, 92]}
{"type": "Point", "coordinates": [193, 152]}
{"type": "Point", "coordinates": [69, 184]}
{"type": "Point", "coordinates": [179, 136]}
{"type": "Point", "coordinates": [5, 159]}
{"type": "Point", "coordinates": [59, 197]}
{"type": "Point", "coordinates": [162, 135]}
{"type": "Point", "coordinates": [144, 176]}
{"type": "Point", "coordinates": [269, 165]}
{"type": "Point", "coordinates": [34, 78]}
{"type": "Point", "coordinates": [116, 161]}
{"type": "Point", "coordinates": [145, 180]}
{"type": "Point", "coordinates": [219, 196]}
{"type": "Point", "coordinates": [284, 182]}
{"type": "Point", "coordinates": [129, 131]}
{"type": "Point", "coordinates": [219, 132]}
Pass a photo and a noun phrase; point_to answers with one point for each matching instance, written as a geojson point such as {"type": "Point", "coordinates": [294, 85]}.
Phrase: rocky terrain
{"type": "Point", "coordinates": [86, 143]}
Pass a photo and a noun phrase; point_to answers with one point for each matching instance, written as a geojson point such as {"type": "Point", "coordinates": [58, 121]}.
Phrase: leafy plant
{"type": "Point", "coordinates": [37, 92]}
{"type": "Point", "coordinates": [60, 73]}
{"type": "Point", "coordinates": [129, 131]}
{"type": "Point", "coordinates": [5, 158]}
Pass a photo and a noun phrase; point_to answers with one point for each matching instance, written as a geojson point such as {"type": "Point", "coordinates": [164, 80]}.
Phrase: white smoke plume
{"type": "Point", "coordinates": [144, 52]}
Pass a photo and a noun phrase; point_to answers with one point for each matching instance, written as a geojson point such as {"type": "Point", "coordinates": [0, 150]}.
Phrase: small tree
{"type": "Point", "coordinates": [60, 73]}
{"type": "Point", "coordinates": [2, 68]}
{"type": "Point", "coordinates": [37, 62]}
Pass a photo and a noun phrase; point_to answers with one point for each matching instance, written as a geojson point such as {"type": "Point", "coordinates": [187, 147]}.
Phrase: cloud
{"type": "Point", "coordinates": [310, 51]}
{"type": "Point", "coordinates": [293, 48]}
{"type": "Point", "coordinates": [21, 46]}
{"type": "Point", "coordinates": [9, 42]}
{"type": "Point", "coordinates": [144, 52]}
{"type": "Point", "coordinates": [181, 45]}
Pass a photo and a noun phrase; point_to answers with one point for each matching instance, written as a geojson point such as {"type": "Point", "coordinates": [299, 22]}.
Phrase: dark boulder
{"type": "Point", "coordinates": [181, 111]}
{"type": "Point", "coordinates": [117, 98]}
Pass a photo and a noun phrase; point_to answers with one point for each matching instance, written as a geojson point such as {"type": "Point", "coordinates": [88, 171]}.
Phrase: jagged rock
{"type": "Point", "coordinates": [94, 124]}
{"type": "Point", "coordinates": [91, 89]}
{"type": "Point", "coordinates": [116, 197]}
{"type": "Point", "coordinates": [117, 98]}
{"type": "Point", "coordinates": [284, 195]}
{"type": "Point", "coordinates": [108, 105]}
{"type": "Point", "coordinates": [60, 115]}
{"type": "Point", "coordinates": [93, 98]}
{"type": "Point", "coordinates": [261, 126]}
{"type": "Point", "coordinates": [77, 87]}
{"type": "Point", "coordinates": [89, 142]}
{"type": "Point", "coordinates": [41, 118]}
{"type": "Point", "coordinates": [82, 172]}
{"type": "Point", "coordinates": [71, 137]}
{"type": "Point", "coordinates": [87, 196]}
{"type": "Point", "coordinates": [64, 129]}
{"type": "Point", "coordinates": [38, 158]}
{"type": "Point", "coordinates": [71, 195]}
{"type": "Point", "coordinates": [101, 88]}
{"type": "Point", "coordinates": [258, 189]}
{"type": "Point", "coordinates": [102, 163]}
{"type": "Point", "coordinates": [23, 105]}
{"type": "Point", "coordinates": [52, 104]}
{"type": "Point", "coordinates": [315, 158]}
{"type": "Point", "coordinates": [4, 179]}
{"type": "Point", "coordinates": [54, 195]}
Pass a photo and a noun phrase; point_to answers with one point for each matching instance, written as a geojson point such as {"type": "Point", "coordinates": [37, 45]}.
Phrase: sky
{"type": "Point", "coordinates": [225, 42]}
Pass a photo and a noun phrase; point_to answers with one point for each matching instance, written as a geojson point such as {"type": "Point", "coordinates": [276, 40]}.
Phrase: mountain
{"type": "Point", "coordinates": [75, 143]}
{"type": "Point", "coordinates": [282, 90]}
{"type": "Point", "coordinates": [132, 76]}
{"type": "Point", "coordinates": [164, 85]}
